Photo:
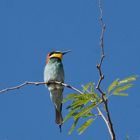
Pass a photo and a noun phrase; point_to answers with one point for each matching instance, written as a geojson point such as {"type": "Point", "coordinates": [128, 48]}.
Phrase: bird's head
{"type": "Point", "coordinates": [56, 54]}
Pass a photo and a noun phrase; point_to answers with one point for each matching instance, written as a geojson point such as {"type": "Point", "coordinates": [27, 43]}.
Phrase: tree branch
{"type": "Point", "coordinates": [107, 120]}
{"type": "Point", "coordinates": [39, 83]}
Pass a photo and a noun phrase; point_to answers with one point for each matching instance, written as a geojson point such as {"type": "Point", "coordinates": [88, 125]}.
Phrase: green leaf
{"type": "Point", "coordinates": [78, 97]}
{"type": "Point", "coordinates": [86, 87]}
{"type": "Point", "coordinates": [70, 97]}
{"type": "Point", "coordinates": [88, 115]}
{"type": "Point", "coordinates": [118, 82]}
{"type": "Point", "coordinates": [89, 87]}
{"type": "Point", "coordinates": [69, 116]}
{"type": "Point", "coordinates": [129, 79]}
{"type": "Point", "coordinates": [119, 89]}
{"type": "Point", "coordinates": [92, 87]}
{"type": "Point", "coordinates": [76, 107]}
{"type": "Point", "coordinates": [88, 96]}
{"type": "Point", "coordinates": [77, 103]}
{"type": "Point", "coordinates": [113, 85]}
{"type": "Point", "coordinates": [73, 126]}
{"type": "Point", "coordinates": [120, 94]}
{"type": "Point", "coordinates": [85, 126]}
{"type": "Point", "coordinates": [84, 111]}
{"type": "Point", "coordinates": [81, 100]}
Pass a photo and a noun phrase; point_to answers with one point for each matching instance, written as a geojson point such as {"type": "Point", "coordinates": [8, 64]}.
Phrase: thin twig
{"type": "Point", "coordinates": [104, 118]}
{"type": "Point", "coordinates": [113, 136]}
{"type": "Point", "coordinates": [101, 77]}
{"type": "Point", "coordinates": [39, 83]}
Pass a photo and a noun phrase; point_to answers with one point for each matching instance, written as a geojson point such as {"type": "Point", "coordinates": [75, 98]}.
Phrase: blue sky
{"type": "Point", "coordinates": [29, 29]}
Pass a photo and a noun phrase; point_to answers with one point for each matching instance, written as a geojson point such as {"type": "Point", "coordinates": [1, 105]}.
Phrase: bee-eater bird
{"type": "Point", "coordinates": [54, 72]}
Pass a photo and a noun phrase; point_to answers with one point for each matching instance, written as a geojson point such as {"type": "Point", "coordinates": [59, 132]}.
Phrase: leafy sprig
{"type": "Point", "coordinates": [82, 105]}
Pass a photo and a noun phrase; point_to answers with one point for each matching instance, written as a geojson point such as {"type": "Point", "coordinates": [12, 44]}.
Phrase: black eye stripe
{"type": "Point", "coordinates": [54, 52]}
{"type": "Point", "coordinates": [51, 53]}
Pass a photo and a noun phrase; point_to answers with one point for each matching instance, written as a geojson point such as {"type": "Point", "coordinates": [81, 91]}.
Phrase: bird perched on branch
{"type": "Point", "coordinates": [54, 72]}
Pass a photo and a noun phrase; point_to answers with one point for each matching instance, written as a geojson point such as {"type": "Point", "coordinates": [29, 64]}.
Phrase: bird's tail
{"type": "Point", "coordinates": [59, 118]}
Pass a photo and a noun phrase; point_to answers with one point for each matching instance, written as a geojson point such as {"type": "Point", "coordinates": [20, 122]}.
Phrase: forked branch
{"type": "Point", "coordinates": [107, 119]}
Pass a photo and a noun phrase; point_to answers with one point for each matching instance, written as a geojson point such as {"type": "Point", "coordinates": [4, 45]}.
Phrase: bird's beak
{"type": "Point", "coordinates": [66, 52]}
